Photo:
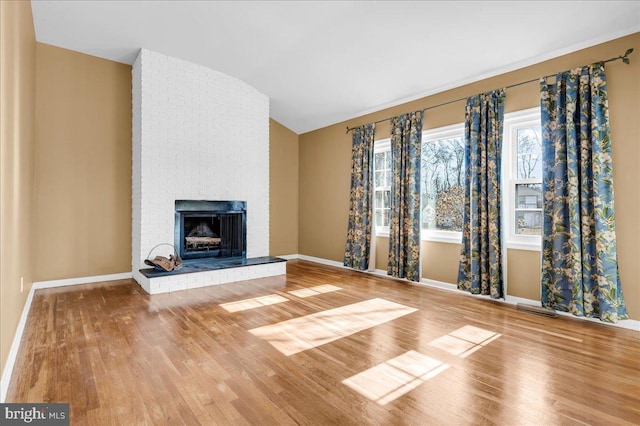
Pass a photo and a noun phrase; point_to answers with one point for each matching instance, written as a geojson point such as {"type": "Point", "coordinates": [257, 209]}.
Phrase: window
{"type": "Point", "coordinates": [382, 185]}
{"type": "Point", "coordinates": [522, 178]}
{"type": "Point", "coordinates": [442, 188]}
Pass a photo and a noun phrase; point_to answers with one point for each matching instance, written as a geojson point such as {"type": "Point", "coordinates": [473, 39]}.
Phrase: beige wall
{"type": "Point", "coordinates": [17, 141]}
{"type": "Point", "coordinates": [523, 274]}
{"type": "Point", "coordinates": [325, 163]}
{"type": "Point", "coordinates": [283, 190]}
{"type": "Point", "coordinates": [83, 165]}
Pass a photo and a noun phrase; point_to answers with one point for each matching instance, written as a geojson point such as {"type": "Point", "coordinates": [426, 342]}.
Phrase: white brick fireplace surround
{"type": "Point", "coordinates": [198, 134]}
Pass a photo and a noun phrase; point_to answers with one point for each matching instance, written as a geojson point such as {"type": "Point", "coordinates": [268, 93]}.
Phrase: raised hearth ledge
{"type": "Point", "coordinates": [197, 273]}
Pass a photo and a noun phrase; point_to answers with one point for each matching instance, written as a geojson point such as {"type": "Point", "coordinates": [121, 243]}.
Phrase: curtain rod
{"type": "Point", "coordinates": [624, 58]}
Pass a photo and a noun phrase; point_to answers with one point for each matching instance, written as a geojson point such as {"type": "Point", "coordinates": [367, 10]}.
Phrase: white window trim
{"type": "Point", "coordinates": [451, 237]}
{"type": "Point", "coordinates": [380, 146]}
{"type": "Point", "coordinates": [512, 122]}
{"type": "Point", "coordinates": [443, 132]}
{"type": "Point", "coordinates": [382, 231]}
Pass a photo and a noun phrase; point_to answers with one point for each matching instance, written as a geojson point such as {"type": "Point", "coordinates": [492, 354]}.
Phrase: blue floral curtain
{"type": "Point", "coordinates": [480, 268]}
{"type": "Point", "coordinates": [404, 218]}
{"type": "Point", "coordinates": [358, 245]}
{"type": "Point", "coordinates": [579, 259]}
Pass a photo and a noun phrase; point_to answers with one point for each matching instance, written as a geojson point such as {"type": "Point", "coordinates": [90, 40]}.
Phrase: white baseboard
{"type": "Point", "coordinates": [13, 351]}
{"type": "Point", "coordinates": [289, 256]}
{"type": "Point", "coordinates": [628, 324]}
{"type": "Point", "coordinates": [82, 280]}
{"type": "Point", "coordinates": [322, 261]}
{"type": "Point", "coordinates": [439, 284]}
{"type": "Point", "coordinates": [15, 344]}
{"type": "Point", "coordinates": [511, 300]}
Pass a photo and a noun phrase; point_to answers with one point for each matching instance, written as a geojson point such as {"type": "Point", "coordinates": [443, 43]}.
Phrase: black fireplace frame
{"type": "Point", "coordinates": [190, 208]}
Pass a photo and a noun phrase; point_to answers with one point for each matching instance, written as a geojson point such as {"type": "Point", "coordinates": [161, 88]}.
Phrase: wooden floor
{"type": "Point", "coordinates": [122, 357]}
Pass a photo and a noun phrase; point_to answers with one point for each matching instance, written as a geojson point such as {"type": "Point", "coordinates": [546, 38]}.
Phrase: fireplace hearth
{"type": "Point", "coordinates": [210, 229]}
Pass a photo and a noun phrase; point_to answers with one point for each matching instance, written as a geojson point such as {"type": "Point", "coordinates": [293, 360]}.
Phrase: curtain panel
{"type": "Point", "coordinates": [358, 246]}
{"type": "Point", "coordinates": [579, 258]}
{"type": "Point", "coordinates": [404, 218]}
{"type": "Point", "coordinates": [480, 267]}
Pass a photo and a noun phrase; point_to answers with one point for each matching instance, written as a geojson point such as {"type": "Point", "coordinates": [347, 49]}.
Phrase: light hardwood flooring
{"type": "Point", "coordinates": [321, 346]}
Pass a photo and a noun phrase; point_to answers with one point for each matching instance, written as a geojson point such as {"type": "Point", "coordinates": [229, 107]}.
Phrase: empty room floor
{"type": "Point", "coordinates": [319, 346]}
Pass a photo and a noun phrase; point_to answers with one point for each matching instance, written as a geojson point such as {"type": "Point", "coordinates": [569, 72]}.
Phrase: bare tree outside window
{"type": "Point", "coordinates": [443, 184]}
{"type": "Point", "coordinates": [529, 153]}
{"type": "Point", "coordinates": [528, 188]}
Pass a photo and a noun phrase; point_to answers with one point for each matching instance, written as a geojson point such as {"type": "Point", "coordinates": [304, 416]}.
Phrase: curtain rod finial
{"type": "Point", "coordinates": [625, 57]}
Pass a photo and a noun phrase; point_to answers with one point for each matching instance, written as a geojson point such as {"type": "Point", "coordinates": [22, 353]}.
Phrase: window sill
{"type": "Point", "coordinates": [439, 239]}
{"type": "Point", "coordinates": [456, 239]}
{"type": "Point", "coordinates": [510, 245]}
{"type": "Point", "coordinates": [524, 246]}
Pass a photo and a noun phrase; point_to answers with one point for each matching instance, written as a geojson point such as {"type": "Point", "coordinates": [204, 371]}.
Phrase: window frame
{"type": "Point", "coordinates": [514, 121]}
{"type": "Point", "coordinates": [430, 135]}
{"type": "Point", "coordinates": [379, 146]}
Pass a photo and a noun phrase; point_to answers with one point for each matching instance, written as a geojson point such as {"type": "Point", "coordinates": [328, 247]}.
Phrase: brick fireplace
{"type": "Point", "coordinates": [198, 134]}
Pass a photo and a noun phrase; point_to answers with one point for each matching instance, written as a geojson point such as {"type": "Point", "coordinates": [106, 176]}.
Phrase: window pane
{"type": "Point", "coordinates": [386, 199]}
{"type": "Point", "coordinates": [379, 161]}
{"type": "Point", "coordinates": [382, 202]}
{"type": "Point", "coordinates": [529, 222]}
{"type": "Point", "coordinates": [529, 196]}
{"type": "Point", "coordinates": [382, 217]}
{"type": "Point", "coordinates": [442, 184]}
{"type": "Point", "coordinates": [378, 217]}
{"type": "Point", "coordinates": [529, 153]}
{"type": "Point", "coordinates": [381, 178]}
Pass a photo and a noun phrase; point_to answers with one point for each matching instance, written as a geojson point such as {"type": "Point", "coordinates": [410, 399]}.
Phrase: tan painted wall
{"type": "Point", "coordinates": [325, 163]}
{"type": "Point", "coordinates": [283, 190]}
{"type": "Point", "coordinates": [523, 274]}
{"type": "Point", "coordinates": [440, 261]}
{"type": "Point", "coordinates": [83, 165]}
{"type": "Point", "coordinates": [17, 141]}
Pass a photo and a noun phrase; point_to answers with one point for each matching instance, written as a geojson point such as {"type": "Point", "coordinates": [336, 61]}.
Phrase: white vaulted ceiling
{"type": "Point", "coordinates": [323, 62]}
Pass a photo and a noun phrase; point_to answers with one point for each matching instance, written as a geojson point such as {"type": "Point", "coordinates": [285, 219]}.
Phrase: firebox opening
{"type": "Point", "coordinates": [200, 235]}
{"type": "Point", "coordinates": [215, 229]}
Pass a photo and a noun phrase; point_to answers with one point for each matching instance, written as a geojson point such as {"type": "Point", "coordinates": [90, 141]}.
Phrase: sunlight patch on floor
{"type": "Point", "coordinates": [464, 341]}
{"type": "Point", "coordinates": [299, 334]}
{"type": "Point", "coordinates": [256, 302]}
{"type": "Point", "coordinates": [313, 291]}
{"type": "Point", "coordinates": [390, 380]}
